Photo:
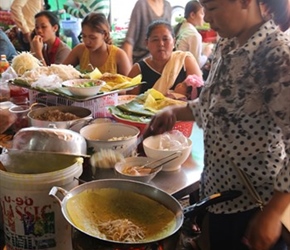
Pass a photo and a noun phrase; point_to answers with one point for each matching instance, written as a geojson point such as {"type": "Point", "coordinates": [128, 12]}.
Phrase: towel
{"type": "Point", "coordinates": [171, 71]}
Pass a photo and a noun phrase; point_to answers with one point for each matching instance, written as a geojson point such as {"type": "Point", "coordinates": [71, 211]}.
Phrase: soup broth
{"type": "Point", "coordinates": [92, 207]}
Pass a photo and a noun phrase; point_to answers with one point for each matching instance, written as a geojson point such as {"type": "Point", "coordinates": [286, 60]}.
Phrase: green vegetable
{"type": "Point", "coordinates": [87, 84]}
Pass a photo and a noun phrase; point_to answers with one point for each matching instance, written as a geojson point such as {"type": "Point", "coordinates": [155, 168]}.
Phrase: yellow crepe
{"type": "Point", "coordinates": [117, 81]}
{"type": "Point", "coordinates": [156, 101]}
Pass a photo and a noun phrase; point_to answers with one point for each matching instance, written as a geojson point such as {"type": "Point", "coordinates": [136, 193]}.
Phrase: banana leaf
{"type": "Point", "coordinates": [116, 111]}
{"type": "Point", "coordinates": [135, 107]}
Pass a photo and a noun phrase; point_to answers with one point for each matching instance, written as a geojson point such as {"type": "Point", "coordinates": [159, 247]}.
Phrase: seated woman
{"type": "Point", "coordinates": [45, 43]}
{"type": "Point", "coordinates": [96, 51]}
{"type": "Point", "coordinates": [165, 70]}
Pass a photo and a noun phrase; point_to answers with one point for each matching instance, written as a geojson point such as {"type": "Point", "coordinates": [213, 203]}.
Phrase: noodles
{"type": "Point", "coordinates": [121, 230]}
{"type": "Point", "coordinates": [105, 158]}
{"type": "Point", "coordinates": [120, 215]}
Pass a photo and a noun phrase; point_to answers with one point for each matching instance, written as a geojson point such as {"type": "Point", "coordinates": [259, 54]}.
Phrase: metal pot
{"type": "Point", "coordinates": [49, 140]}
{"type": "Point", "coordinates": [84, 114]}
{"type": "Point", "coordinates": [83, 240]}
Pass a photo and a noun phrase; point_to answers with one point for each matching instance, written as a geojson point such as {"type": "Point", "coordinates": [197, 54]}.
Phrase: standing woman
{"type": "Point", "coordinates": [244, 110]}
{"type": "Point", "coordinates": [46, 44]}
{"type": "Point", "coordinates": [97, 50]}
{"type": "Point", "coordinates": [22, 13]}
{"type": "Point", "coordinates": [143, 14]}
{"type": "Point", "coordinates": [187, 36]}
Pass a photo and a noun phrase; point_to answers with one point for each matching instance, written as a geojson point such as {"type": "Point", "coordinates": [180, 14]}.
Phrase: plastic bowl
{"type": "Point", "coordinates": [150, 145]}
{"type": "Point", "coordinates": [115, 136]}
{"type": "Point", "coordinates": [135, 161]}
{"type": "Point", "coordinates": [84, 87]}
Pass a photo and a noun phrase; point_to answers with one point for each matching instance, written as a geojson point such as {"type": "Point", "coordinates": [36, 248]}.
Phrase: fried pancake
{"type": "Point", "coordinates": [115, 78]}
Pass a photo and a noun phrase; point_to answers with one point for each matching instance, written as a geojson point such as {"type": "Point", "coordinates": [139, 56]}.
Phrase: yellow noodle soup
{"type": "Point", "coordinates": [120, 215]}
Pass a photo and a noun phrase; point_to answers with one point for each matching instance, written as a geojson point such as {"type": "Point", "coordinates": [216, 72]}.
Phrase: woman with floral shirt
{"type": "Point", "coordinates": [244, 110]}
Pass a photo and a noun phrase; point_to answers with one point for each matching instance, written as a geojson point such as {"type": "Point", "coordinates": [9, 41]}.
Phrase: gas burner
{"type": "Point", "coordinates": [81, 241]}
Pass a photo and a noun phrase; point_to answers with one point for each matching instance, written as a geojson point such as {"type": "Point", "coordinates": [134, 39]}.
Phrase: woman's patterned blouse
{"type": "Point", "coordinates": [244, 110]}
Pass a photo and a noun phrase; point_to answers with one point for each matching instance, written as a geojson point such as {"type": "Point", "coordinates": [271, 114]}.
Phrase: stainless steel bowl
{"type": "Point", "coordinates": [60, 141]}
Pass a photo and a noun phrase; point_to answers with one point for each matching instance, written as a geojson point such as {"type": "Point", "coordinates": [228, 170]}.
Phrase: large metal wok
{"type": "Point", "coordinates": [83, 240]}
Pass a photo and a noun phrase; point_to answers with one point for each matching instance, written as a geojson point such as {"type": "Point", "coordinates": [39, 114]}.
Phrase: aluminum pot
{"type": "Point", "coordinates": [83, 240]}
{"type": "Point", "coordinates": [49, 140]}
{"type": "Point", "coordinates": [84, 114]}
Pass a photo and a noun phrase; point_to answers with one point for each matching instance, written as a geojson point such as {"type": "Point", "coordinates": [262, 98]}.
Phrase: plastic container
{"type": "Point", "coordinates": [71, 25]}
{"type": "Point", "coordinates": [19, 95]}
{"type": "Point", "coordinates": [31, 218]}
{"type": "Point", "coordinates": [21, 112]}
{"type": "Point", "coordinates": [4, 64]}
{"type": "Point", "coordinates": [4, 91]}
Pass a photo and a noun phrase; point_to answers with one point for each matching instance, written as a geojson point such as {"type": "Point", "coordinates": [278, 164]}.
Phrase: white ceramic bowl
{"type": "Point", "coordinates": [151, 149]}
{"type": "Point", "coordinates": [84, 87]}
{"type": "Point", "coordinates": [135, 161]}
{"type": "Point", "coordinates": [115, 136]}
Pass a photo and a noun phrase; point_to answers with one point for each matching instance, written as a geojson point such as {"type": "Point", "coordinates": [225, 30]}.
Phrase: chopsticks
{"type": "Point", "coordinates": [163, 160]}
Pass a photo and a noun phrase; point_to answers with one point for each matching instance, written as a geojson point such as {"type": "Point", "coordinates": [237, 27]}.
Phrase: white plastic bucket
{"type": "Point", "coordinates": [31, 218]}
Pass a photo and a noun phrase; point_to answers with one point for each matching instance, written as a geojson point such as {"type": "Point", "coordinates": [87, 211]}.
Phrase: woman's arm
{"type": "Point", "coordinates": [37, 47]}
{"type": "Point", "coordinates": [192, 67]}
{"type": "Point", "coordinates": [266, 224]}
{"type": "Point", "coordinates": [123, 63]}
{"type": "Point", "coordinates": [134, 72]}
{"type": "Point", "coordinates": [74, 56]}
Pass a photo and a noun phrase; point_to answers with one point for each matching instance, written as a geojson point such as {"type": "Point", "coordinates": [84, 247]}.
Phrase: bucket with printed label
{"type": "Point", "coordinates": [31, 218]}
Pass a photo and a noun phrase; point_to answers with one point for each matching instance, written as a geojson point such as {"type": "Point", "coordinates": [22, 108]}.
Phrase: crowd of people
{"type": "Point", "coordinates": [243, 106]}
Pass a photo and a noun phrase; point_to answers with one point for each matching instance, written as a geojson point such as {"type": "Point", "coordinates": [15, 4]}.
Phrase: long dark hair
{"type": "Point", "coordinates": [51, 16]}
{"type": "Point", "coordinates": [280, 11]}
{"type": "Point", "coordinates": [191, 6]}
{"type": "Point", "coordinates": [98, 23]}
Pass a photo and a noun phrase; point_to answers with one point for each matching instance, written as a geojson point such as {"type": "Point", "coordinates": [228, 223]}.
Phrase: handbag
{"type": "Point", "coordinates": [285, 220]}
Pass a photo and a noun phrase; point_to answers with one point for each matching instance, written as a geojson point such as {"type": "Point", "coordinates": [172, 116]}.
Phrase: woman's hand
{"type": "Point", "coordinates": [37, 44]}
{"type": "Point", "coordinates": [162, 122]}
{"type": "Point", "coordinates": [263, 231]}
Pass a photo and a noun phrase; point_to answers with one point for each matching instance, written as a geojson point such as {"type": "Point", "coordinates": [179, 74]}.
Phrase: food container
{"type": "Point", "coordinates": [136, 176]}
{"type": "Point", "coordinates": [20, 111]}
{"type": "Point", "coordinates": [114, 136]}
{"type": "Point", "coordinates": [82, 239]}
{"type": "Point", "coordinates": [59, 141]}
{"type": "Point", "coordinates": [152, 150]}
{"type": "Point", "coordinates": [84, 87]}
{"type": "Point", "coordinates": [138, 188]}
{"type": "Point", "coordinates": [84, 116]}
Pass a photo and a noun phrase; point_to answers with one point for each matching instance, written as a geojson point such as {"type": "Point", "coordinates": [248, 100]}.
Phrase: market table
{"type": "Point", "coordinates": [178, 183]}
